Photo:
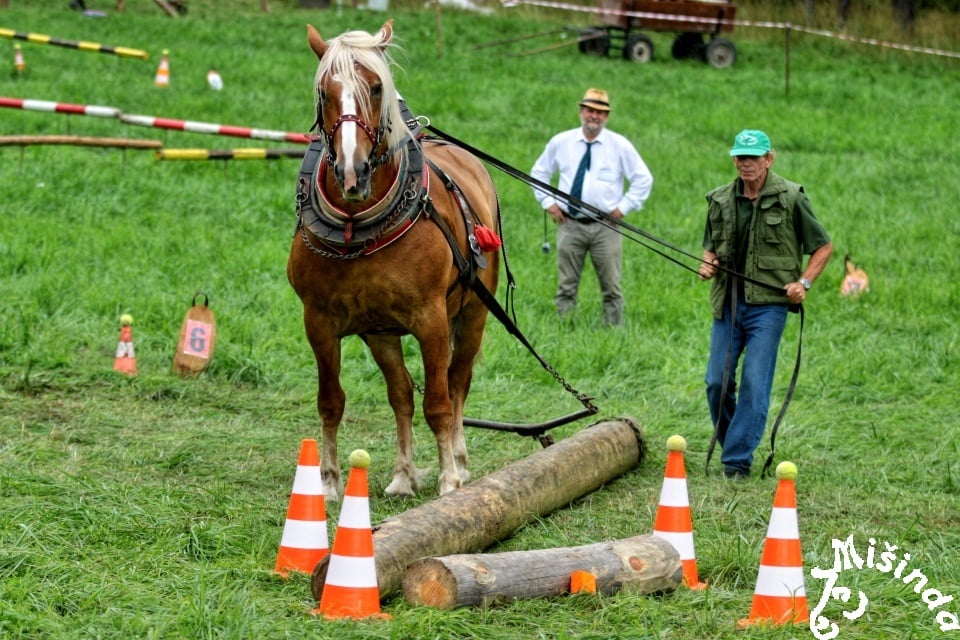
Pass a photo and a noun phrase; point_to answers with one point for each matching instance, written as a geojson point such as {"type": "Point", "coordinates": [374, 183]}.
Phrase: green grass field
{"type": "Point", "coordinates": [152, 507]}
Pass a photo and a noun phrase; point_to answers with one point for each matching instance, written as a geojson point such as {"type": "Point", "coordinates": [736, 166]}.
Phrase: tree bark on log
{"type": "Point", "coordinates": [643, 564]}
{"type": "Point", "coordinates": [492, 508]}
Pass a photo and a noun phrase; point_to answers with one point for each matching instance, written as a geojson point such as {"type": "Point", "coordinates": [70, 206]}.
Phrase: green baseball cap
{"type": "Point", "coordinates": [750, 142]}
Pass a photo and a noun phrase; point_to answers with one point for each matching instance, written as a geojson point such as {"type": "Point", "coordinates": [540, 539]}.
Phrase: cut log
{"type": "Point", "coordinates": [492, 508]}
{"type": "Point", "coordinates": [643, 564]}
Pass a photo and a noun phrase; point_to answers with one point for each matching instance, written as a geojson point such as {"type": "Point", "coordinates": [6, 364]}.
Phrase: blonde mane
{"type": "Point", "coordinates": [354, 49]}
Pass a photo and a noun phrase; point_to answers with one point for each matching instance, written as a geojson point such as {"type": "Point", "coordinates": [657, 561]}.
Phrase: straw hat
{"type": "Point", "coordinates": [596, 99]}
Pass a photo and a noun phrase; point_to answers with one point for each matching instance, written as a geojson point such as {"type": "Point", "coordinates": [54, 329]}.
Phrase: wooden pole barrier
{"type": "Point", "coordinates": [228, 154]}
{"type": "Point", "coordinates": [167, 8]}
{"type": "Point", "coordinates": [83, 141]}
{"type": "Point", "coordinates": [492, 508]}
{"type": "Point", "coordinates": [643, 564]}
{"type": "Point", "coordinates": [96, 47]}
{"type": "Point", "coordinates": [213, 128]}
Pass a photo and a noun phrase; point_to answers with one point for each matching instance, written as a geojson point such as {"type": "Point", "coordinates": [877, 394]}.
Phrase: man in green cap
{"type": "Point", "coordinates": [758, 229]}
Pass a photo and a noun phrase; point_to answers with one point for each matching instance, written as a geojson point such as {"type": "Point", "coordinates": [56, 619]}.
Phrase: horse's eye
{"type": "Point", "coordinates": [376, 90]}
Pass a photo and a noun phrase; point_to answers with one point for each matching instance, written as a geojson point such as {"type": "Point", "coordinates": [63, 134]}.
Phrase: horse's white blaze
{"type": "Point", "coordinates": [348, 137]}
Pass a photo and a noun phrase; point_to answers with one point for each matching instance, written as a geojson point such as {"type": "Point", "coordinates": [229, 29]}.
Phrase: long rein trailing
{"type": "Point", "coordinates": [620, 226]}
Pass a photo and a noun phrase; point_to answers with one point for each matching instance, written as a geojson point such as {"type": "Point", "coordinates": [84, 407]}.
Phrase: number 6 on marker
{"type": "Point", "coordinates": [197, 343]}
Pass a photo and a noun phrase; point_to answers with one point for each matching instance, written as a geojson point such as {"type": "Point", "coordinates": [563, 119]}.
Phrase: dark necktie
{"type": "Point", "coordinates": [577, 189]}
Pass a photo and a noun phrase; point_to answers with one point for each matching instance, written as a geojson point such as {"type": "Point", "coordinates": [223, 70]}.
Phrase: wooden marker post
{"type": "Point", "coordinates": [197, 337]}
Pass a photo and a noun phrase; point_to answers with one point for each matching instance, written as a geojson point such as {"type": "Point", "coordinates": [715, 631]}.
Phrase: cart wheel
{"type": "Point", "coordinates": [720, 53]}
{"type": "Point", "coordinates": [687, 45]}
{"type": "Point", "coordinates": [638, 48]}
{"type": "Point", "coordinates": [594, 41]}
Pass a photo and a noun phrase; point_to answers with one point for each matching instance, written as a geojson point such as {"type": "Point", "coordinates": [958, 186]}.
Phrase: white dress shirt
{"type": "Point", "coordinates": [614, 163]}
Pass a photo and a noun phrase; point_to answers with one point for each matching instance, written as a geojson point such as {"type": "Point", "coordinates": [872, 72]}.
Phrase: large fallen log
{"type": "Point", "coordinates": [643, 564]}
{"type": "Point", "coordinates": [492, 508]}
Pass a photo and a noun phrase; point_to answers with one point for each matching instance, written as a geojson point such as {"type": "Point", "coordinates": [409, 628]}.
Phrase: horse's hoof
{"type": "Point", "coordinates": [400, 488]}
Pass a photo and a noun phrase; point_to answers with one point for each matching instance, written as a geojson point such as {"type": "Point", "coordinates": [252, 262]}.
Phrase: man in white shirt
{"type": "Point", "coordinates": [614, 179]}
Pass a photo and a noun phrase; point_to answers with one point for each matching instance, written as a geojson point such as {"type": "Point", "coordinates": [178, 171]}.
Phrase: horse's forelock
{"type": "Point", "coordinates": [355, 49]}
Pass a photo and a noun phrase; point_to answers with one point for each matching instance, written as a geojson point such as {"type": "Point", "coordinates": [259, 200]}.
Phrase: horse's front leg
{"type": "Point", "coordinates": [388, 354]}
{"type": "Point", "coordinates": [330, 402]}
{"type": "Point", "coordinates": [467, 338]}
{"type": "Point", "coordinates": [437, 408]}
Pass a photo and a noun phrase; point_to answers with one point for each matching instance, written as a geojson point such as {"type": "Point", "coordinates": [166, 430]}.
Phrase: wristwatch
{"type": "Point", "coordinates": [805, 283]}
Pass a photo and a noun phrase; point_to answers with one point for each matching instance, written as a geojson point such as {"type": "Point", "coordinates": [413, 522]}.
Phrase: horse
{"type": "Point", "coordinates": [394, 233]}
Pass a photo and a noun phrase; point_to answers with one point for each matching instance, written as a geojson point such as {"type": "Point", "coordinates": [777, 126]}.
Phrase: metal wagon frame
{"type": "Point", "coordinates": [698, 24]}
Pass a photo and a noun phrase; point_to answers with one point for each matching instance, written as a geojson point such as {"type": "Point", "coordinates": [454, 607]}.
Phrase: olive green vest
{"type": "Point", "coordinates": [774, 254]}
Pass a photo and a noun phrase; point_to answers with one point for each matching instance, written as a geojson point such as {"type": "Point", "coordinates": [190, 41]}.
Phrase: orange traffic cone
{"type": "Point", "coordinates": [162, 78]}
{"type": "Point", "coordinates": [304, 540]}
{"type": "Point", "coordinates": [351, 589]}
{"type": "Point", "coordinates": [674, 522]}
{"type": "Point", "coordinates": [125, 360]}
{"type": "Point", "coordinates": [779, 597]}
{"type": "Point", "coordinates": [19, 66]}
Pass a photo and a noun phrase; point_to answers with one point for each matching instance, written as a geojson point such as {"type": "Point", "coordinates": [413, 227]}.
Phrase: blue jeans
{"type": "Point", "coordinates": [741, 418]}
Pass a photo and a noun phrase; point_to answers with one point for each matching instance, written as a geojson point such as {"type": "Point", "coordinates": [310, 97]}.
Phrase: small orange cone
{"type": "Point", "coordinates": [780, 597]}
{"type": "Point", "coordinates": [351, 589]}
{"type": "Point", "coordinates": [162, 78]}
{"type": "Point", "coordinates": [125, 360]}
{"type": "Point", "coordinates": [19, 65]}
{"type": "Point", "coordinates": [583, 582]}
{"type": "Point", "coordinates": [304, 540]}
{"type": "Point", "coordinates": [674, 522]}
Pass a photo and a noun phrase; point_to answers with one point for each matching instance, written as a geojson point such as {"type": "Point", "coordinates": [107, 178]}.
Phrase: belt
{"type": "Point", "coordinates": [582, 220]}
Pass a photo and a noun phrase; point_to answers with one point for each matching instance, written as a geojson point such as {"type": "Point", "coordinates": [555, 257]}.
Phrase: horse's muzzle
{"type": "Point", "coordinates": [354, 180]}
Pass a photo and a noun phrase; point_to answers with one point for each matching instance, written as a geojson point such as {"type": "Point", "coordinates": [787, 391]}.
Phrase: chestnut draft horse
{"type": "Point", "coordinates": [387, 245]}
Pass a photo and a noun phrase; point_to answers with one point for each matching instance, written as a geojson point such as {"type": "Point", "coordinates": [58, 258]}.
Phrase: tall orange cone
{"type": "Point", "coordinates": [674, 522]}
{"type": "Point", "coordinates": [304, 541]}
{"type": "Point", "coordinates": [780, 597]}
{"type": "Point", "coordinates": [125, 360]}
{"type": "Point", "coordinates": [351, 589]}
{"type": "Point", "coordinates": [19, 66]}
{"type": "Point", "coordinates": [162, 79]}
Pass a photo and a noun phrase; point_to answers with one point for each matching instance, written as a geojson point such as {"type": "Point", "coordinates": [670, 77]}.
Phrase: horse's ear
{"type": "Point", "coordinates": [387, 30]}
{"type": "Point", "coordinates": [316, 42]}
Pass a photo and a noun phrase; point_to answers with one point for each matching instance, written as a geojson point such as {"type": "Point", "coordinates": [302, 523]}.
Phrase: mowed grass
{"type": "Point", "coordinates": [153, 506]}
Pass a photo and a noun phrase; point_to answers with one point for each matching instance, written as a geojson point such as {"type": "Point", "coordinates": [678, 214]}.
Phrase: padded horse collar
{"type": "Point", "coordinates": [344, 235]}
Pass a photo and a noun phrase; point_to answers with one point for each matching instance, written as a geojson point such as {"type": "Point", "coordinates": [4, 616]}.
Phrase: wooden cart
{"type": "Point", "coordinates": [698, 25]}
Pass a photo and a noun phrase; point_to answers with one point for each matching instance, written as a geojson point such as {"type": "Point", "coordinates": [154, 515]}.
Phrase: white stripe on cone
{"type": "Point", "coordinates": [780, 581]}
{"type": "Point", "coordinates": [355, 513]}
{"type": "Point", "coordinates": [674, 493]}
{"type": "Point", "coordinates": [352, 573]}
{"type": "Point", "coordinates": [682, 542]}
{"type": "Point", "coordinates": [304, 534]}
{"type": "Point", "coordinates": [783, 524]}
{"type": "Point", "coordinates": [307, 481]}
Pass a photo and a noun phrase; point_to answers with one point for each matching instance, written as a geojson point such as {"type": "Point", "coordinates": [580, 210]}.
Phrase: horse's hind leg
{"type": "Point", "coordinates": [388, 354]}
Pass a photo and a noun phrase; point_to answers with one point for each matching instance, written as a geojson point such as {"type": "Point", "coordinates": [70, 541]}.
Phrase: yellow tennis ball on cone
{"type": "Point", "coordinates": [676, 443]}
{"type": "Point", "coordinates": [786, 471]}
{"type": "Point", "coordinates": [126, 320]}
{"type": "Point", "coordinates": [359, 459]}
